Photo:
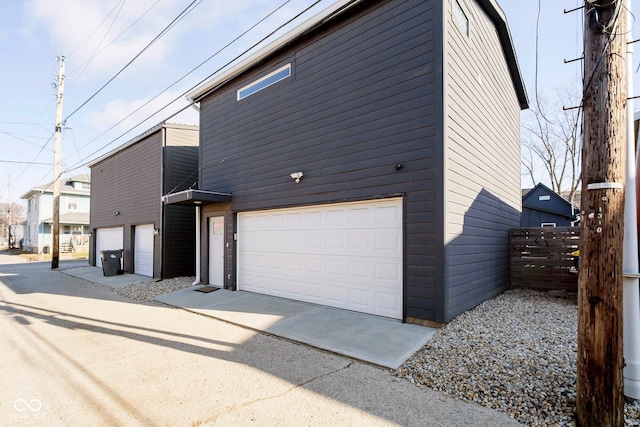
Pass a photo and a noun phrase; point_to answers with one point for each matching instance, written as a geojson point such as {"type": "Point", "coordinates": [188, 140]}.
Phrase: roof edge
{"type": "Point", "coordinates": [495, 12]}
{"type": "Point", "coordinates": [326, 14]}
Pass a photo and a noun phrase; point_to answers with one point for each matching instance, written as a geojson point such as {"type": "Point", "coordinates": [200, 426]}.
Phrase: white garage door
{"type": "Point", "coordinates": [346, 255]}
{"type": "Point", "coordinates": [143, 250]}
{"type": "Point", "coordinates": [108, 239]}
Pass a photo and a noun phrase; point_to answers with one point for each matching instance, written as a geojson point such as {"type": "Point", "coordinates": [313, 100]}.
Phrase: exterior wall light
{"type": "Point", "coordinates": [297, 176]}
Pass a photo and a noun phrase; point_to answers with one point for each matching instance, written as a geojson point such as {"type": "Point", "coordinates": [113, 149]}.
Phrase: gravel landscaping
{"type": "Point", "coordinates": [515, 353]}
{"type": "Point", "coordinates": [149, 290]}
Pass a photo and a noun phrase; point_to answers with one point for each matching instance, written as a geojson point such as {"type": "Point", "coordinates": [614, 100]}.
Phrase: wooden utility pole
{"type": "Point", "coordinates": [600, 400]}
{"type": "Point", "coordinates": [55, 232]}
{"type": "Point", "coordinates": [12, 238]}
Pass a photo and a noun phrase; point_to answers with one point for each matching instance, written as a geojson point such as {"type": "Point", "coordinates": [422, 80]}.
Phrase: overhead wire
{"type": "Point", "coordinates": [88, 158]}
{"type": "Point", "coordinates": [95, 30]}
{"type": "Point", "coordinates": [115, 38]}
{"type": "Point", "coordinates": [86, 64]}
{"type": "Point", "coordinates": [187, 10]}
{"type": "Point", "coordinates": [181, 96]}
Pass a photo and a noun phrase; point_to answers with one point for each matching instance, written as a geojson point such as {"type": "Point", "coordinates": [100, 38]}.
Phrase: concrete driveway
{"type": "Point", "coordinates": [75, 353]}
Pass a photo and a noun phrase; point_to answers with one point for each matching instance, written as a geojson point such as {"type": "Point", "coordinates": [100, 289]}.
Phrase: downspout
{"type": "Point", "coordinates": [197, 246]}
{"type": "Point", "coordinates": [630, 267]}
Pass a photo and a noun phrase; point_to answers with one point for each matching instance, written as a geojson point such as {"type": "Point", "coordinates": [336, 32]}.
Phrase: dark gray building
{"type": "Point", "coordinates": [126, 202]}
{"type": "Point", "coordinates": [543, 207]}
{"type": "Point", "coordinates": [367, 160]}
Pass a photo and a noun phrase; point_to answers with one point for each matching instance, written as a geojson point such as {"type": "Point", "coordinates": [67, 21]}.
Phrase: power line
{"type": "Point", "coordinates": [27, 163]}
{"type": "Point", "coordinates": [101, 40]}
{"type": "Point", "coordinates": [121, 4]}
{"type": "Point", "coordinates": [115, 38]}
{"type": "Point", "coordinates": [188, 9]}
{"type": "Point", "coordinates": [80, 164]}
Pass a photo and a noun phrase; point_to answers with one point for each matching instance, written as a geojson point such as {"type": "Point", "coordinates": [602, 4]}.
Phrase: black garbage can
{"type": "Point", "coordinates": [111, 265]}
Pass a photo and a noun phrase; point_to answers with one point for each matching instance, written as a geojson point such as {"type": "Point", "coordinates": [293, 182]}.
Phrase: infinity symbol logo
{"type": "Point", "coordinates": [22, 405]}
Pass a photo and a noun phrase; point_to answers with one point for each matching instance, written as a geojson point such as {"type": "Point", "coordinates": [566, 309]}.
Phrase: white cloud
{"type": "Point", "coordinates": [116, 111]}
{"type": "Point", "coordinates": [83, 29]}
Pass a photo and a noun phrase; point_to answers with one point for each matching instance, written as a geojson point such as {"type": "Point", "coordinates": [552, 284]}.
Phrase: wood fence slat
{"type": "Point", "coordinates": [541, 257]}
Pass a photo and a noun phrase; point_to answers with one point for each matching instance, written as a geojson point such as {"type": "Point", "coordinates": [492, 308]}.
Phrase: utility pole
{"type": "Point", "coordinates": [12, 238]}
{"type": "Point", "coordinates": [599, 397]}
{"type": "Point", "coordinates": [55, 254]}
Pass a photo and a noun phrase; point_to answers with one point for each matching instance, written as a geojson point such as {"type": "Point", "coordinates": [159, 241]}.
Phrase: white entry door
{"type": "Point", "coordinates": [346, 255]}
{"type": "Point", "coordinates": [216, 251]}
{"type": "Point", "coordinates": [143, 250]}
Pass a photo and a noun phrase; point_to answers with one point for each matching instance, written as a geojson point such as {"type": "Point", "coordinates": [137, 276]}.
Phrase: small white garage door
{"type": "Point", "coordinates": [108, 239]}
{"type": "Point", "coordinates": [346, 255]}
{"type": "Point", "coordinates": [143, 250]}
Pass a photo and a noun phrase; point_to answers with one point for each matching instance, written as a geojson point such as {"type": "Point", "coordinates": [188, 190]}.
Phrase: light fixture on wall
{"type": "Point", "coordinates": [297, 176]}
{"type": "Point", "coordinates": [156, 231]}
{"type": "Point", "coordinates": [117, 213]}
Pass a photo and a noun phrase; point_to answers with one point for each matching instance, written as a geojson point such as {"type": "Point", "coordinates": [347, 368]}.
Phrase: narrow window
{"type": "Point", "coordinates": [461, 18]}
{"type": "Point", "coordinates": [547, 197]}
{"type": "Point", "coordinates": [72, 203]}
{"type": "Point", "coordinates": [548, 224]}
{"type": "Point", "coordinates": [274, 77]}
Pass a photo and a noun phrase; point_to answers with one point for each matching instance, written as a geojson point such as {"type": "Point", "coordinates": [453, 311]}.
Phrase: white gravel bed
{"type": "Point", "coordinates": [515, 353]}
{"type": "Point", "coordinates": [149, 290]}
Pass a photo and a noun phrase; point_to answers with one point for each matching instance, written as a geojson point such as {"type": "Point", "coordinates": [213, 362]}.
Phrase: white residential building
{"type": "Point", "coordinates": [75, 199]}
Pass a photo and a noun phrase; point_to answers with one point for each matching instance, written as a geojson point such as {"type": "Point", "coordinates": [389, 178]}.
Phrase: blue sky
{"type": "Point", "coordinates": [98, 37]}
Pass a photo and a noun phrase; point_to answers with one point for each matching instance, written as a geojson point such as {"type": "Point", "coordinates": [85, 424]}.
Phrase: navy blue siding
{"type": "Point", "coordinates": [359, 102]}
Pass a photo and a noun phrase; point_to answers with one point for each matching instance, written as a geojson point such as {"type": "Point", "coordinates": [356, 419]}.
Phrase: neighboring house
{"type": "Point", "coordinates": [126, 208]}
{"type": "Point", "coordinates": [543, 207]}
{"type": "Point", "coordinates": [75, 195]}
{"type": "Point", "coordinates": [367, 160]}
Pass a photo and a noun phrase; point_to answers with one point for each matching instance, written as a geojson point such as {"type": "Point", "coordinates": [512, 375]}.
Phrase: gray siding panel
{"type": "Point", "coordinates": [129, 183]}
{"type": "Point", "coordinates": [181, 158]}
{"type": "Point", "coordinates": [360, 101]}
{"type": "Point", "coordinates": [482, 162]}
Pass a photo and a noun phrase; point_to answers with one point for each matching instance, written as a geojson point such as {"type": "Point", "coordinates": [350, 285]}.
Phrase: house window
{"type": "Point", "coordinates": [461, 18]}
{"type": "Point", "coordinates": [72, 203]}
{"type": "Point", "coordinates": [544, 197]}
{"type": "Point", "coordinates": [548, 224]}
{"type": "Point", "coordinates": [274, 77]}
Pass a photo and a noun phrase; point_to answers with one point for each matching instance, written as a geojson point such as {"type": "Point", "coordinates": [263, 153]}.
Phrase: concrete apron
{"type": "Point", "coordinates": [373, 339]}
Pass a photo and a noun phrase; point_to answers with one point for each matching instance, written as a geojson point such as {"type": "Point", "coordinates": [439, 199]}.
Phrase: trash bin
{"type": "Point", "coordinates": [111, 265]}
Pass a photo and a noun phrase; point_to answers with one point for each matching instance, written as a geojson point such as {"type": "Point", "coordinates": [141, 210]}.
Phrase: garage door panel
{"type": "Point", "coordinates": [345, 255]}
{"type": "Point", "coordinates": [108, 239]}
{"type": "Point", "coordinates": [143, 250]}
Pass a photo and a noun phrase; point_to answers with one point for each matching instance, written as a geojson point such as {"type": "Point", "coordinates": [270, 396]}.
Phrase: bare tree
{"type": "Point", "coordinates": [551, 139]}
{"type": "Point", "coordinates": [9, 223]}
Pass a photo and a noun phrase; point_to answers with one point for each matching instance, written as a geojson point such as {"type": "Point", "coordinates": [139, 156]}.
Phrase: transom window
{"type": "Point", "coordinates": [266, 81]}
{"type": "Point", "coordinates": [461, 18]}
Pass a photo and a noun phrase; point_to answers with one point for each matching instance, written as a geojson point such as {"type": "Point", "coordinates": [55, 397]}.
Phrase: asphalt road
{"type": "Point", "coordinates": [74, 353]}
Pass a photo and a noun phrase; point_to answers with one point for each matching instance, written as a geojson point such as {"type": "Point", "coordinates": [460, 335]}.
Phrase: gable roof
{"type": "Point", "coordinates": [143, 135]}
{"type": "Point", "coordinates": [559, 206]}
{"type": "Point", "coordinates": [490, 7]}
{"type": "Point", "coordinates": [65, 188]}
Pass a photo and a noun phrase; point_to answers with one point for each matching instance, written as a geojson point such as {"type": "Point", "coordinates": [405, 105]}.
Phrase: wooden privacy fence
{"type": "Point", "coordinates": [541, 258]}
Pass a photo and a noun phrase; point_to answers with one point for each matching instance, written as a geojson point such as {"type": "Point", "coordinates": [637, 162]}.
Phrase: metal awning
{"type": "Point", "coordinates": [196, 198]}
